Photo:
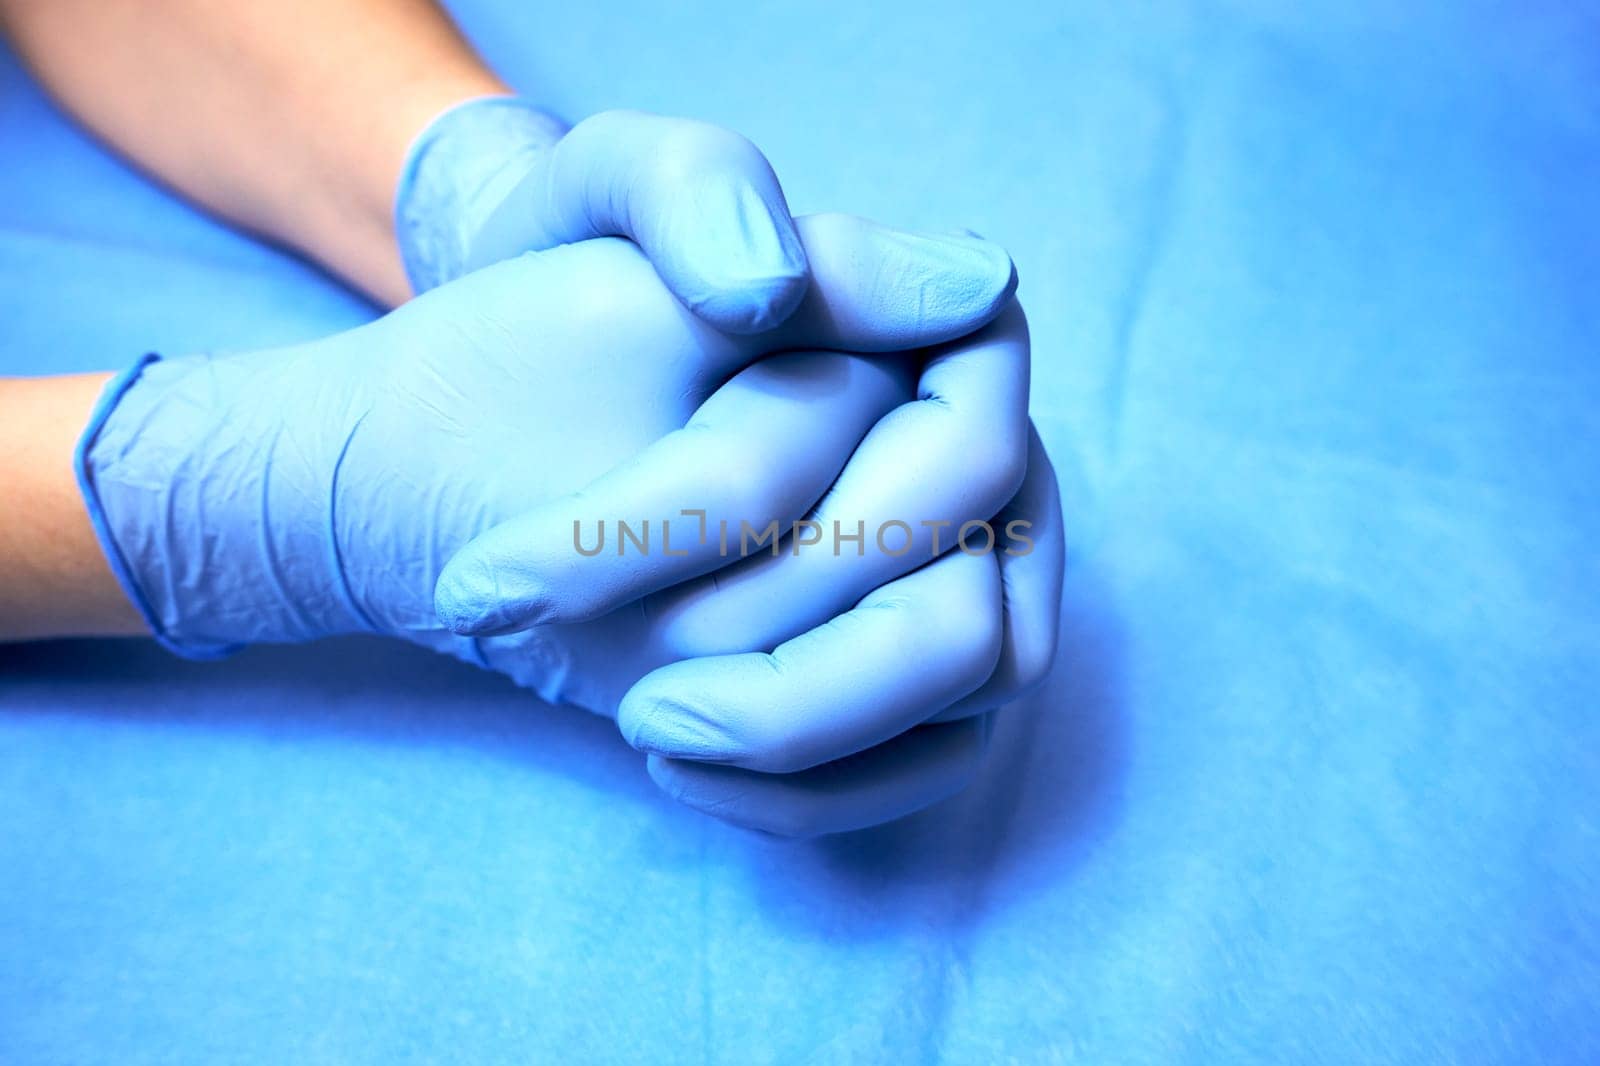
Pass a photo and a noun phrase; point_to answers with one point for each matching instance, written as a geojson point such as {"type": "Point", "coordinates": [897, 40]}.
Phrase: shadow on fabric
{"type": "Point", "coordinates": [1048, 792]}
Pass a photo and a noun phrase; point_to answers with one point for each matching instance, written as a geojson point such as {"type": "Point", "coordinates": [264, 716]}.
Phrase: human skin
{"type": "Point", "coordinates": [289, 119]}
{"type": "Point", "coordinates": [54, 580]}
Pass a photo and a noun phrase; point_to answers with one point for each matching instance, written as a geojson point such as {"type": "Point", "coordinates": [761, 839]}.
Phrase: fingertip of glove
{"type": "Point", "coordinates": [752, 304]}
{"type": "Point", "coordinates": [637, 722]}
{"type": "Point", "coordinates": [1008, 270]}
{"type": "Point", "coordinates": [963, 280]}
{"type": "Point", "coordinates": [660, 725]}
{"type": "Point", "coordinates": [469, 601]}
{"type": "Point", "coordinates": [457, 612]}
{"type": "Point", "coordinates": [991, 272]}
{"type": "Point", "coordinates": [734, 255]}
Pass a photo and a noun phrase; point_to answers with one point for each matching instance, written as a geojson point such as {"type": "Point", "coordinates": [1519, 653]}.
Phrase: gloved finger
{"type": "Point", "coordinates": [898, 777]}
{"type": "Point", "coordinates": [879, 289]}
{"type": "Point", "coordinates": [875, 289]}
{"type": "Point", "coordinates": [1030, 588]}
{"type": "Point", "coordinates": [754, 456]}
{"type": "Point", "coordinates": [910, 649]}
{"type": "Point", "coordinates": [926, 480]}
{"type": "Point", "coordinates": [700, 200]}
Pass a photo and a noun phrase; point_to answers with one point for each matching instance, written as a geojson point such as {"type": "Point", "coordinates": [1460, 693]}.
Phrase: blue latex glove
{"type": "Point", "coordinates": [496, 177]}
{"type": "Point", "coordinates": [301, 492]}
{"type": "Point", "coordinates": [808, 679]}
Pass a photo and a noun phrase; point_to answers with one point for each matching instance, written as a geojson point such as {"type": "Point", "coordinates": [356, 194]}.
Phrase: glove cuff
{"type": "Point", "coordinates": [118, 562]}
{"type": "Point", "coordinates": [457, 171]}
{"type": "Point", "coordinates": [216, 516]}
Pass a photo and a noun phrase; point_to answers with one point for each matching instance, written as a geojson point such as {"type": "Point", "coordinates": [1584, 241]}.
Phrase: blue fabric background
{"type": "Point", "coordinates": [1316, 299]}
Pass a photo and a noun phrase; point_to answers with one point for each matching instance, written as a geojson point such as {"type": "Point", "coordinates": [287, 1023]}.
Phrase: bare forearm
{"type": "Point", "coordinates": [54, 580]}
{"type": "Point", "coordinates": [289, 118]}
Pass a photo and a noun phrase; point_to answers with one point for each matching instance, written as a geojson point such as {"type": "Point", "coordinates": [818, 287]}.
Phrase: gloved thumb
{"type": "Point", "coordinates": [701, 201]}
{"type": "Point", "coordinates": [879, 289]}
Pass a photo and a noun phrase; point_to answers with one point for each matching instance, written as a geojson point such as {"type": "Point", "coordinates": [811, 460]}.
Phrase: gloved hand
{"type": "Point", "coordinates": [495, 177]}
{"type": "Point", "coordinates": [319, 489]}
{"type": "Point", "coordinates": [841, 677]}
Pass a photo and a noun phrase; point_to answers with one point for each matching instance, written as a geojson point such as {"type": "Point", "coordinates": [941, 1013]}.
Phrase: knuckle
{"type": "Point", "coordinates": [688, 146]}
{"type": "Point", "coordinates": [611, 126]}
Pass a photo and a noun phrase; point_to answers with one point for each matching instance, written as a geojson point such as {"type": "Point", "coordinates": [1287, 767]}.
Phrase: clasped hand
{"type": "Point", "coordinates": [423, 477]}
